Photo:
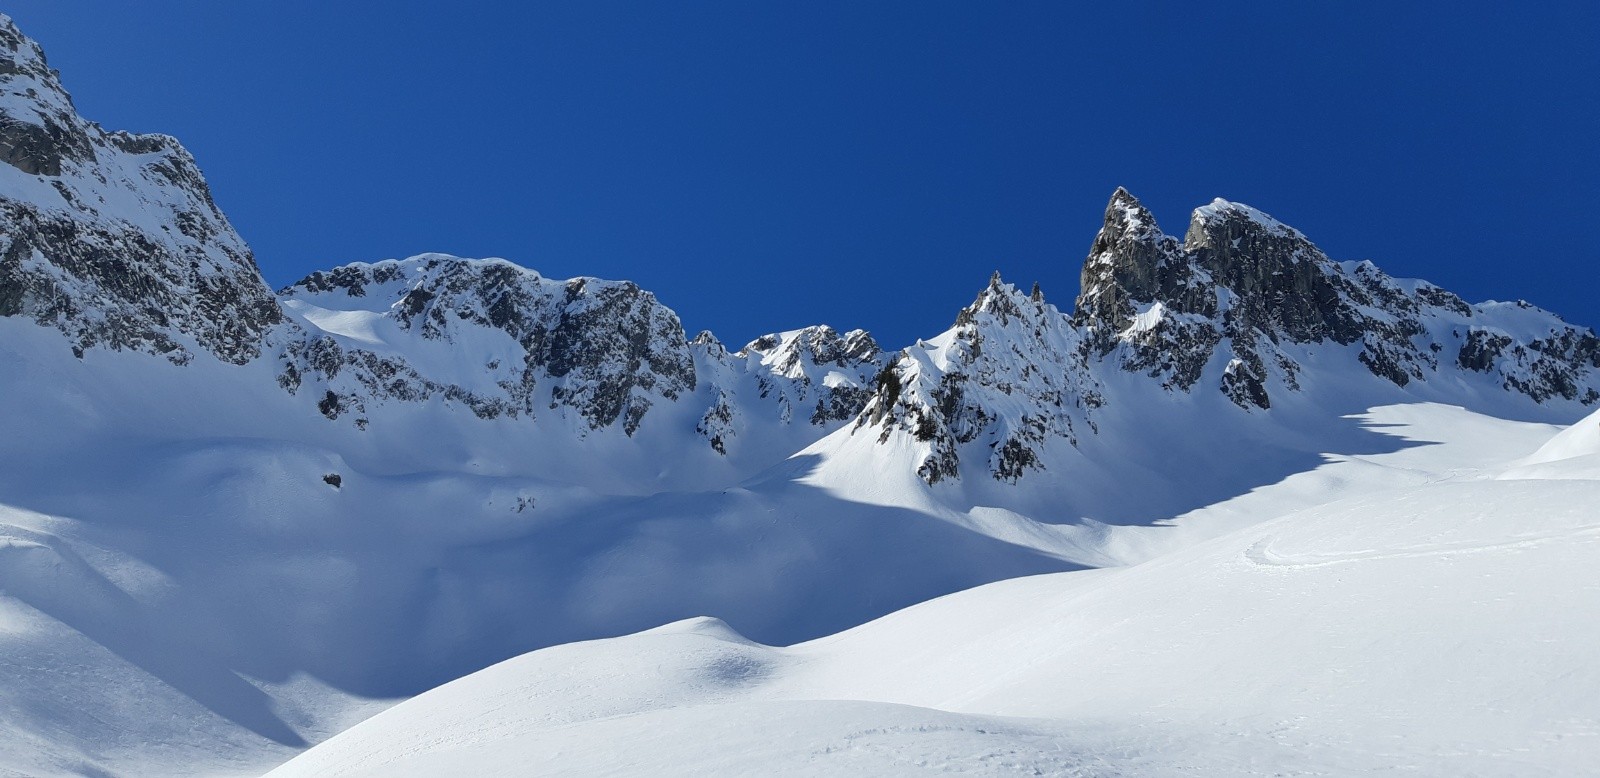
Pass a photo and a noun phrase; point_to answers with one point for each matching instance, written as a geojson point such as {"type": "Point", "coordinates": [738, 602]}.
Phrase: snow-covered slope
{"type": "Point", "coordinates": [1433, 628]}
{"type": "Point", "coordinates": [231, 522]}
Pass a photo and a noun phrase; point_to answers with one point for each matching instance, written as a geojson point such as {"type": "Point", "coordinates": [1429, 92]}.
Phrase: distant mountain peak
{"type": "Point", "coordinates": [1243, 305]}
{"type": "Point", "coordinates": [114, 240]}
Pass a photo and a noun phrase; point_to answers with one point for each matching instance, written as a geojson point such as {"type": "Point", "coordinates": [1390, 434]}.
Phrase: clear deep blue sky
{"type": "Point", "coordinates": [764, 165]}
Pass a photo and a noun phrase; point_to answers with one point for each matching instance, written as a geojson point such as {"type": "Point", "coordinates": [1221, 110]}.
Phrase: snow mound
{"type": "Point", "coordinates": [1581, 439]}
{"type": "Point", "coordinates": [1574, 453]}
{"type": "Point", "coordinates": [1420, 629]}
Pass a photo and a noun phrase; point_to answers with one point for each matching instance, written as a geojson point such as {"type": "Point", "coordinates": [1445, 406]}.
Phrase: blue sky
{"type": "Point", "coordinates": [764, 166]}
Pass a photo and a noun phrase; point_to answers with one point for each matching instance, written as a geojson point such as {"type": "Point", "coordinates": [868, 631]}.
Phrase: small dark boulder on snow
{"type": "Point", "coordinates": [333, 479]}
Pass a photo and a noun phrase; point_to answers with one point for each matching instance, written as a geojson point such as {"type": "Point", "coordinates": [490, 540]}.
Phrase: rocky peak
{"type": "Point", "coordinates": [607, 349]}
{"type": "Point", "coordinates": [707, 342]}
{"type": "Point", "coordinates": [21, 54]}
{"type": "Point", "coordinates": [1280, 282]}
{"type": "Point", "coordinates": [814, 372]}
{"type": "Point", "coordinates": [791, 354]}
{"type": "Point", "coordinates": [1243, 290]}
{"type": "Point", "coordinates": [1008, 377]}
{"type": "Point", "coordinates": [39, 128]}
{"type": "Point", "coordinates": [114, 238]}
{"type": "Point", "coordinates": [1132, 261]}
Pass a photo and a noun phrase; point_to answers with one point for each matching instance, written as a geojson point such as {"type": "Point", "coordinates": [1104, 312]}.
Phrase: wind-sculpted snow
{"type": "Point", "coordinates": [1430, 628]}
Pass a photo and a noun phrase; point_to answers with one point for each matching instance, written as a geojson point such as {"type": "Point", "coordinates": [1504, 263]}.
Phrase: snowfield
{"type": "Point", "coordinates": [1431, 618]}
{"type": "Point", "coordinates": [1238, 509]}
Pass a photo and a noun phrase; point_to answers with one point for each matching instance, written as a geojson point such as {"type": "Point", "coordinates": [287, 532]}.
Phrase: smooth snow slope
{"type": "Point", "coordinates": [1436, 626]}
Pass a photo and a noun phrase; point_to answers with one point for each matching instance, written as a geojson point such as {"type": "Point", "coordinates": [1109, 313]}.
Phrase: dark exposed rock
{"type": "Point", "coordinates": [1244, 383]}
{"type": "Point", "coordinates": [608, 350]}
{"type": "Point", "coordinates": [123, 247]}
{"type": "Point", "coordinates": [330, 405]}
{"type": "Point", "coordinates": [799, 360]}
{"type": "Point", "coordinates": [1239, 302]}
{"type": "Point", "coordinates": [1007, 349]}
{"type": "Point", "coordinates": [716, 425]}
{"type": "Point", "coordinates": [1244, 285]}
{"type": "Point", "coordinates": [612, 340]}
{"type": "Point", "coordinates": [1130, 262]}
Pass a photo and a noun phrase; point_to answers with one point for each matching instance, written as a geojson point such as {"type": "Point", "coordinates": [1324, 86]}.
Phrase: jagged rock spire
{"type": "Point", "coordinates": [1130, 261]}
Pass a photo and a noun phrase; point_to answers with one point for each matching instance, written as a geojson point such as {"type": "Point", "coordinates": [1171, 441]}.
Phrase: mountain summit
{"type": "Point", "coordinates": [261, 511]}
{"type": "Point", "coordinates": [116, 242]}
{"type": "Point", "coordinates": [1244, 305]}
{"type": "Point", "coordinates": [113, 238]}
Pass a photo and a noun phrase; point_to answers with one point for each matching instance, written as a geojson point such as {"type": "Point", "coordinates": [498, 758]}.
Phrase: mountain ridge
{"type": "Point", "coordinates": [266, 509]}
{"type": "Point", "coordinates": [118, 243]}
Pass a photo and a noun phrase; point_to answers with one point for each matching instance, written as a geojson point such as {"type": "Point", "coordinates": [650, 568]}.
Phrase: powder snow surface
{"type": "Point", "coordinates": [1426, 613]}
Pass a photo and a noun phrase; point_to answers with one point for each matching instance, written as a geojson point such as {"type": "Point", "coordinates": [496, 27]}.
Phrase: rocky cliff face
{"type": "Point", "coordinates": [1246, 286]}
{"type": "Point", "coordinates": [1240, 305]}
{"type": "Point", "coordinates": [605, 350]}
{"type": "Point", "coordinates": [1010, 375]}
{"type": "Point", "coordinates": [113, 238]}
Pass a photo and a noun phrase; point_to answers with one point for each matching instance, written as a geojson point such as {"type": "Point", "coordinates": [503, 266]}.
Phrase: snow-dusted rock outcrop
{"type": "Point", "coordinates": [1241, 305]}
{"type": "Point", "coordinates": [113, 238]}
{"type": "Point", "coordinates": [506, 342]}
{"type": "Point", "coordinates": [798, 385]}
{"type": "Point", "coordinates": [606, 350]}
{"type": "Point", "coordinates": [1008, 376]}
{"type": "Point", "coordinates": [815, 372]}
{"type": "Point", "coordinates": [1243, 285]}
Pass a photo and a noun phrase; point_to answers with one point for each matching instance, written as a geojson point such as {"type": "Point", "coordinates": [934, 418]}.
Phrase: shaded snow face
{"type": "Point", "coordinates": [1418, 618]}
{"type": "Point", "coordinates": [397, 472]}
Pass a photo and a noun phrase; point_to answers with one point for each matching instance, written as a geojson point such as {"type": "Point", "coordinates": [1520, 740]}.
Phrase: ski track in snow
{"type": "Point", "coordinates": [1424, 627]}
{"type": "Point", "coordinates": [1262, 555]}
{"type": "Point", "coordinates": [235, 522]}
